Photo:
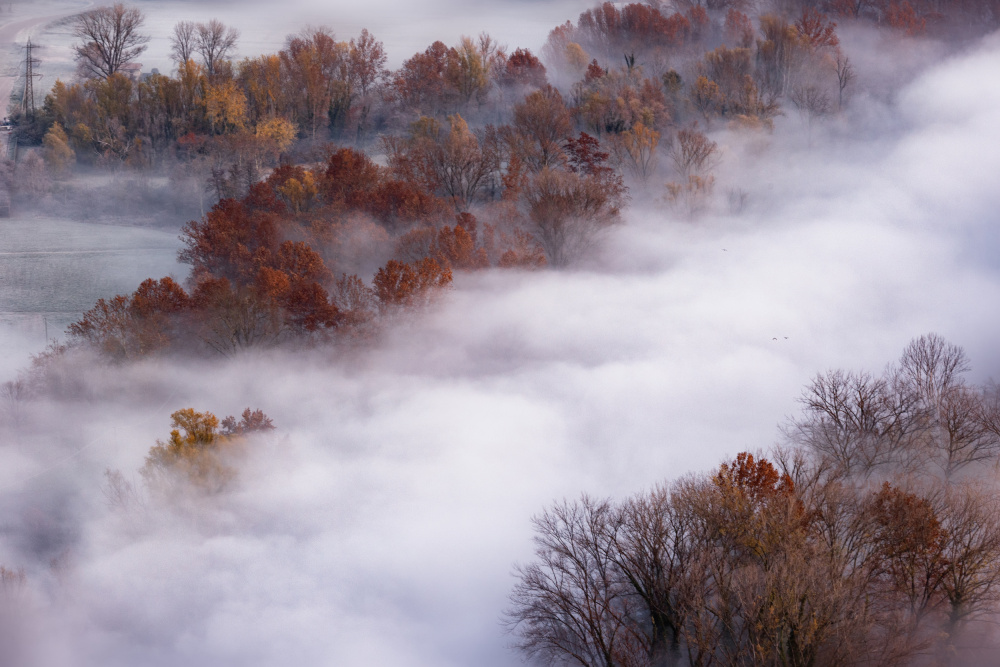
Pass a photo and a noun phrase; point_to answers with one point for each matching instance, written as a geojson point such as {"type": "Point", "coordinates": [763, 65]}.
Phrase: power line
{"type": "Point", "coordinates": [28, 99]}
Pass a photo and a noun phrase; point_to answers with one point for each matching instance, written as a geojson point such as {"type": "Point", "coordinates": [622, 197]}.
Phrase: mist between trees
{"type": "Point", "coordinates": [467, 157]}
{"type": "Point", "coordinates": [872, 536]}
{"type": "Point", "coordinates": [331, 196]}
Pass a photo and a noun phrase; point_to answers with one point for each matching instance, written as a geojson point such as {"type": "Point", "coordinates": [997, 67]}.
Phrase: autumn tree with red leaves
{"type": "Point", "coordinates": [128, 327]}
{"type": "Point", "coordinates": [523, 69]}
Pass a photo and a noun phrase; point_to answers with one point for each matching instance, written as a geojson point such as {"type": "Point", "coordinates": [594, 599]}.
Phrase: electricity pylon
{"type": "Point", "coordinates": [28, 99]}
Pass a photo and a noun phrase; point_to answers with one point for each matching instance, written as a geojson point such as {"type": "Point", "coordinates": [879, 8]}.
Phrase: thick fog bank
{"type": "Point", "coordinates": [379, 524]}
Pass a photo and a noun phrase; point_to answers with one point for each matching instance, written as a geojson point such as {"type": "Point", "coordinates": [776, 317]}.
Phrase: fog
{"type": "Point", "coordinates": [380, 523]}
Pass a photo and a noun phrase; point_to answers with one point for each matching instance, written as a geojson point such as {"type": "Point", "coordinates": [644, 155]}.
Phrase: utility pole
{"type": "Point", "coordinates": [28, 100]}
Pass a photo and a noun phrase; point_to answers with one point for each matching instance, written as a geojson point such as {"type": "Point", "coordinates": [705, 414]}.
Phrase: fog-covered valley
{"type": "Point", "coordinates": [380, 521]}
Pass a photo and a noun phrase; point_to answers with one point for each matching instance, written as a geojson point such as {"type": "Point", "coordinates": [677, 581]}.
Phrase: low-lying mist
{"type": "Point", "coordinates": [379, 523]}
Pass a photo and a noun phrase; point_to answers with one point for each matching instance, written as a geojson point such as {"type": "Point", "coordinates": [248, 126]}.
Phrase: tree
{"type": "Point", "coordinates": [523, 69]}
{"type": "Point", "coordinates": [128, 327]}
{"type": "Point", "coordinates": [456, 246]}
{"type": "Point", "coordinates": [845, 75]}
{"type": "Point", "coordinates": [314, 64]}
{"type": "Point", "coordinates": [571, 606]}
{"type": "Point", "coordinates": [235, 317]}
{"type": "Point", "coordinates": [707, 97]}
{"type": "Point", "coordinates": [455, 164]}
{"type": "Point", "coordinates": [277, 133]}
{"type": "Point", "coordinates": [815, 31]}
{"type": "Point", "coordinates": [919, 411]}
{"type": "Point", "coordinates": [263, 82]}
{"type": "Point", "coordinates": [31, 178]}
{"type": "Point", "coordinates": [59, 155]}
{"type": "Point", "coordinates": [225, 107]}
{"type": "Point", "coordinates": [111, 39]}
{"type": "Point", "coordinates": [811, 100]}
{"type": "Point", "coordinates": [693, 153]}
{"type": "Point", "coordinates": [214, 42]}
{"type": "Point", "coordinates": [366, 62]}
{"type": "Point", "coordinates": [196, 450]}
{"type": "Point", "coordinates": [640, 144]}
{"type": "Point", "coordinates": [719, 569]}
{"type": "Point", "coordinates": [858, 422]}
{"type": "Point", "coordinates": [183, 41]}
{"type": "Point", "coordinates": [904, 17]}
{"type": "Point", "coordinates": [567, 210]}
{"type": "Point", "coordinates": [541, 122]}
{"type": "Point", "coordinates": [738, 29]}
{"type": "Point", "coordinates": [356, 301]}
{"type": "Point", "coordinates": [398, 283]}
{"type": "Point", "coordinates": [747, 567]}
{"type": "Point", "coordinates": [970, 517]}
{"type": "Point", "coordinates": [420, 83]}
{"type": "Point", "coordinates": [467, 71]}
{"type": "Point", "coordinates": [777, 53]}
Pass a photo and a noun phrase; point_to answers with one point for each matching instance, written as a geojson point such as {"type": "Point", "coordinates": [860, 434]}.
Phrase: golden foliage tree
{"type": "Point", "coordinates": [59, 155]}
{"type": "Point", "coordinates": [198, 451]}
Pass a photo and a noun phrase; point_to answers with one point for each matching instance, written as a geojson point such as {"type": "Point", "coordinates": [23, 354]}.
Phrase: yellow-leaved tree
{"type": "Point", "coordinates": [59, 155]}
{"type": "Point", "coordinates": [198, 448]}
{"type": "Point", "coordinates": [279, 132]}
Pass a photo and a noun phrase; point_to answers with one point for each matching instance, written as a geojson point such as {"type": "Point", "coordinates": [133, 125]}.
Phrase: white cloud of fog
{"type": "Point", "coordinates": [381, 524]}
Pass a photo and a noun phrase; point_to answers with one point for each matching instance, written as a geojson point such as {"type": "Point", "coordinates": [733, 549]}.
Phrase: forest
{"type": "Point", "coordinates": [479, 162]}
{"type": "Point", "coordinates": [416, 276]}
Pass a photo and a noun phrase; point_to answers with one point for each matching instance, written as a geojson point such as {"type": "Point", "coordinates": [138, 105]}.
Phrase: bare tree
{"type": "Point", "coordinates": [811, 562]}
{"type": "Point", "coordinates": [111, 39]}
{"type": "Point", "coordinates": [811, 100]}
{"type": "Point", "coordinates": [958, 417]}
{"type": "Point", "coordinates": [654, 554]}
{"type": "Point", "coordinates": [845, 75]}
{"type": "Point", "coordinates": [693, 153]}
{"type": "Point", "coordinates": [919, 410]}
{"type": "Point", "coordinates": [183, 41]}
{"type": "Point", "coordinates": [736, 568]}
{"type": "Point", "coordinates": [963, 435]}
{"type": "Point", "coordinates": [970, 515]}
{"type": "Point", "coordinates": [858, 422]}
{"type": "Point", "coordinates": [933, 366]}
{"type": "Point", "coordinates": [215, 43]}
{"type": "Point", "coordinates": [571, 606]}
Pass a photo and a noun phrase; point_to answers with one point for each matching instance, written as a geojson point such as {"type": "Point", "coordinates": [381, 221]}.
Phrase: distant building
{"type": "Point", "coordinates": [132, 70]}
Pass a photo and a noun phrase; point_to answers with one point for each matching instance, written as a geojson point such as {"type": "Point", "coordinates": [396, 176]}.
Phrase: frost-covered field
{"type": "Point", "coordinates": [53, 269]}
